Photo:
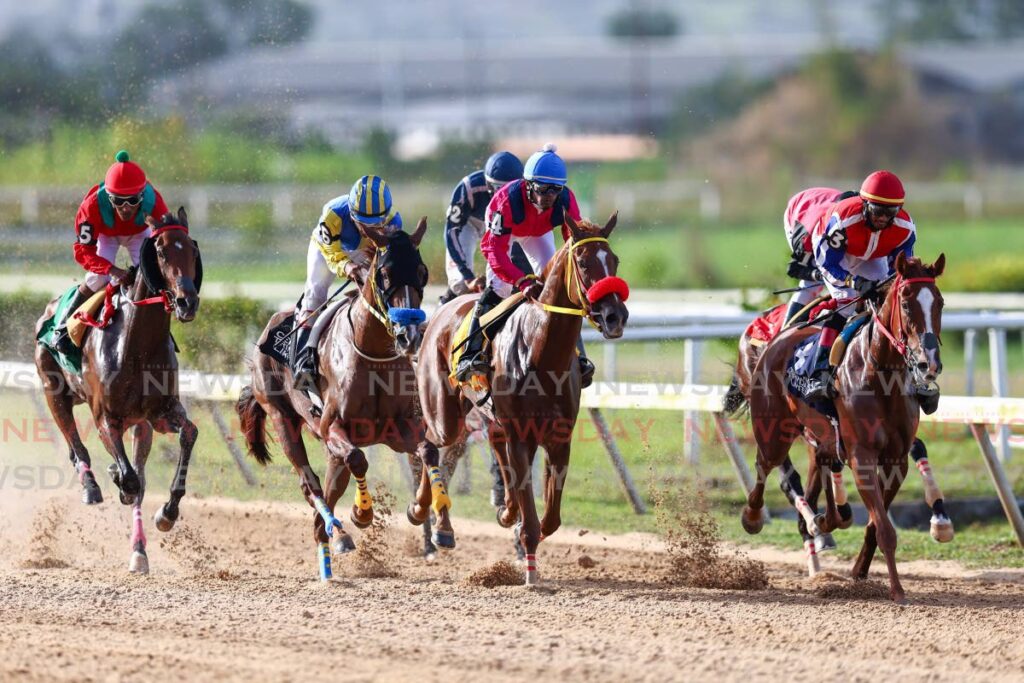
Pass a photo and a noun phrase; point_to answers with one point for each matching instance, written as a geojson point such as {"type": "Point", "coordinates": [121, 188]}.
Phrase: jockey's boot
{"type": "Point", "coordinates": [793, 308]}
{"type": "Point", "coordinates": [819, 385]}
{"type": "Point", "coordinates": [303, 358]}
{"type": "Point", "coordinates": [473, 359]}
{"type": "Point", "coordinates": [586, 365]}
{"type": "Point", "coordinates": [498, 486]}
{"type": "Point", "coordinates": [61, 339]}
{"type": "Point", "coordinates": [447, 296]}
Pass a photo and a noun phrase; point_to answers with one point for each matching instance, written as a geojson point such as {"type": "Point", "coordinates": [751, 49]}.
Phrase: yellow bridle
{"type": "Point", "coordinates": [572, 278]}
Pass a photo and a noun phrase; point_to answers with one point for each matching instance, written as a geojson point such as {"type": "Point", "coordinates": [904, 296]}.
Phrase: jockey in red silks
{"type": "Point", "coordinates": [112, 215]}
{"type": "Point", "coordinates": [855, 246]}
{"type": "Point", "coordinates": [525, 212]}
{"type": "Point", "coordinates": [803, 211]}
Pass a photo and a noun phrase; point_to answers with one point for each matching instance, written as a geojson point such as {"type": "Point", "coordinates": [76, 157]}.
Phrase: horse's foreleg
{"type": "Point", "coordinates": [521, 457]}
{"type": "Point", "coordinates": [416, 471]}
{"type": "Point", "coordinates": [142, 442]}
{"type": "Point", "coordinates": [884, 534]}
{"type": "Point", "coordinates": [433, 494]}
{"type": "Point", "coordinates": [941, 526]}
{"type": "Point", "coordinates": [554, 483]}
{"type": "Point", "coordinates": [167, 515]}
{"type": "Point", "coordinates": [770, 453]}
{"type": "Point", "coordinates": [508, 511]}
{"type": "Point", "coordinates": [343, 461]}
{"type": "Point", "coordinates": [792, 487]}
{"type": "Point", "coordinates": [111, 432]}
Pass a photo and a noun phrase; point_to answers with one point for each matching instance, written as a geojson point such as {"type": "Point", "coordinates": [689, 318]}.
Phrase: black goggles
{"type": "Point", "coordinates": [131, 200]}
{"type": "Point", "coordinates": [882, 210]}
{"type": "Point", "coordinates": [546, 188]}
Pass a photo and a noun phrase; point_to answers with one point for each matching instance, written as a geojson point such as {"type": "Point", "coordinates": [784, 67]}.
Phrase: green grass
{"type": "Point", "coordinates": [593, 499]}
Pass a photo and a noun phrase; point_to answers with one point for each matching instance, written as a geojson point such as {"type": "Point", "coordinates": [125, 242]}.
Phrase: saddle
{"type": "Point", "coordinates": [278, 344]}
{"type": "Point", "coordinates": [490, 324]}
{"type": "Point", "coordinates": [802, 363]}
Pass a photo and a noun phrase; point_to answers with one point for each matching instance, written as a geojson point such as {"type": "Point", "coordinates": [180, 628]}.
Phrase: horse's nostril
{"type": "Point", "coordinates": [922, 366]}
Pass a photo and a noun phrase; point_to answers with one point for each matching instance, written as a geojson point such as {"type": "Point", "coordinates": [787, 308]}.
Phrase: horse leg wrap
{"type": "Point", "coordinates": [330, 521]}
{"type": "Point", "coordinates": [83, 471]}
{"type": "Point", "coordinates": [531, 569]}
{"type": "Point", "coordinates": [363, 499]}
{"type": "Point", "coordinates": [323, 557]}
{"type": "Point", "coordinates": [438, 491]}
{"type": "Point", "coordinates": [932, 492]}
{"type": "Point", "coordinates": [813, 564]}
{"type": "Point", "coordinates": [839, 488]}
{"type": "Point", "coordinates": [138, 534]}
{"type": "Point", "coordinates": [801, 505]}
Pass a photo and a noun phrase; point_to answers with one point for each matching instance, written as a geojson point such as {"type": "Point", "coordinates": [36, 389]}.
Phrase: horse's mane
{"type": "Point", "coordinates": [585, 226]}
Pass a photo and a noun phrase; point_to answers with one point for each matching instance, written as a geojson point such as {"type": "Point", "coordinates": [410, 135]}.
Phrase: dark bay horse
{"type": "Point", "coordinates": [367, 381]}
{"type": "Point", "coordinates": [535, 380]}
{"type": "Point", "coordinates": [130, 377]}
{"type": "Point", "coordinates": [876, 402]}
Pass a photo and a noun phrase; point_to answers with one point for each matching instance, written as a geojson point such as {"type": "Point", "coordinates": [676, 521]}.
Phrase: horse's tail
{"type": "Point", "coordinates": [734, 400]}
{"type": "Point", "coordinates": [254, 424]}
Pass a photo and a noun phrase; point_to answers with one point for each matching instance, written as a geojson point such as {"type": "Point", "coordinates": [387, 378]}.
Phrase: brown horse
{"type": "Point", "coordinates": [367, 381]}
{"type": "Point", "coordinates": [877, 406]}
{"type": "Point", "coordinates": [130, 377]}
{"type": "Point", "coordinates": [535, 379]}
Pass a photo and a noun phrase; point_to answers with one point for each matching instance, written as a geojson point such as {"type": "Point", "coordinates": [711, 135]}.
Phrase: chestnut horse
{"type": "Point", "coordinates": [876, 402]}
{"type": "Point", "coordinates": [130, 377]}
{"type": "Point", "coordinates": [535, 379]}
{"type": "Point", "coordinates": [367, 381]}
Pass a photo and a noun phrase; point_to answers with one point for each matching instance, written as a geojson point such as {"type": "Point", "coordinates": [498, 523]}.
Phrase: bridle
{"type": "Point", "coordinates": [896, 322]}
{"type": "Point", "coordinates": [391, 317]}
{"type": "Point", "coordinates": [578, 295]}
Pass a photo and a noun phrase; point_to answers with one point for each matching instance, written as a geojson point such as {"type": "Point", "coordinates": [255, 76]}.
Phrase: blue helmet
{"type": "Point", "coordinates": [546, 167]}
{"type": "Point", "coordinates": [503, 167]}
{"type": "Point", "coordinates": [369, 200]}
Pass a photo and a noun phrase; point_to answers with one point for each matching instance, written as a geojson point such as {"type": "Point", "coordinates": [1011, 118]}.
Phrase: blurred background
{"type": "Point", "coordinates": [696, 120]}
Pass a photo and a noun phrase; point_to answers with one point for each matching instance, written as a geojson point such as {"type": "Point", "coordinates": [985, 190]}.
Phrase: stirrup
{"type": "Point", "coordinates": [469, 366]}
{"type": "Point", "coordinates": [63, 343]}
{"type": "Point", "coordinates": [586, 372]}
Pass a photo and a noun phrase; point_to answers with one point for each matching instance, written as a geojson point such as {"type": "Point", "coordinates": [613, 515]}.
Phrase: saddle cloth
{"type": "Point", "coordinates": [490, 324]}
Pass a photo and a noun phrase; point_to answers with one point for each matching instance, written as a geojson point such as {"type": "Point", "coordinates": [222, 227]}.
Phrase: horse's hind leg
{"type": "Point", "coordinates": [772, 451]}
{"type": "Point", "coordinates": [61, 404]}
{"type": "Point", "coordinates": [111, 431]}
{"type": "Point", "coordinates": [555, 473]}
{"type": "Point", "coordinates": [520, 462]}
{"type": "Point", "coordinates": [416, 470]}
{"type": "Point", "coordinates": [142, 442]}
{"type": "Point", "coordinates": [167, 515]}
{"type": "Point", "coordinates": [792, 487]}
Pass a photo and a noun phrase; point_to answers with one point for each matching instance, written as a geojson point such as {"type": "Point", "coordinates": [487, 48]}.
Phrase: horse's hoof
{"type": "Point", "coordinates": [131, 485]}
{"type": "Point", "coordinates": [845, 516]}
{"type": "Point", "coordinates": [359, 523]}
{"type": "Point", "coordinates": [824, 543]}
{"type": "Point", "coordinates": [342, 544]}
{"type": "Point", "coordinates": [497, 497]}
{"type": "Point", "coordinates": [139, 564]}
{"type": "Point", "coordinates": [126, 499]}
{"type": "Point", "coordinates": [941, 529]}
{"type": "Point", "coordinates": [500, 515]}
{"type": "Point", "coordinates": [164, 519]}
{"type": "Point", "coordinates": [411, 517]}
{"type": "Point", "coordinates": [443, 539]}
{"type": "Point", "coordinates": [91, 495]}
{"type": "Point", "coordinates": [898, 597]}
{"type": "Point", "coordinates": [751, 526]}
{"type": "Point", "coordinates": [818, 526]}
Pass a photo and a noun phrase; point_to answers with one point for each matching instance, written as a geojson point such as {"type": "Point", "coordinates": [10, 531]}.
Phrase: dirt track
{"type": "Point", "coordinates": [232, 596]}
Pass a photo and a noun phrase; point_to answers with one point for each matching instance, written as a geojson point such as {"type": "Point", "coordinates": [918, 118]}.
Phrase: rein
{"type": "Point", "coordinates": [896, 316]}
{"type": "Point", "coordinates": [387, 315]}
{"type": "Point", "coordinates": [607, 285]}
{"type": "Point", "coordinates": [164, 297]}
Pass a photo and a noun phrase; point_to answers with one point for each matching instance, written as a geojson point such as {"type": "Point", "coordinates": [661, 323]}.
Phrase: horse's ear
{"type": "Point", "coordinates": [182, 216]}
{"type": "Point", "coordinates": [379, 239]}
{"type": "Point", "coordinates": [421, 230]}
{"type": "Point", "coordinates": [939, 265]}
{"type": "Point", "coordinates": [610, 225]}
{"type": "Point", "coordinates": [574, 227]}
{"type": "Point", "coordinates": [901, 263]}
{"type": "Point", "coordinates": [151, 222]}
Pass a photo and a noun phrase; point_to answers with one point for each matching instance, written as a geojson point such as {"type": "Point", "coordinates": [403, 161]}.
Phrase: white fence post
{"type": "Point", "coordinates": [611, 370]}
{"type": "Point", "coordinates": [691, 375]}
{"type": "Point", "coordinates": [1000, 385]}
{"type": "Point", "coordinates": [970, 345]}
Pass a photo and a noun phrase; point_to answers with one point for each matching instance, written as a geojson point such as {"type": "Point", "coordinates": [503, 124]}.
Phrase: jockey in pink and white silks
{"type": "Point", "coordinates": [855, 245]}
{"type": "Point", "coordinates": [803, 211]}
{"type": "Point", "coordinates": [524, 212]}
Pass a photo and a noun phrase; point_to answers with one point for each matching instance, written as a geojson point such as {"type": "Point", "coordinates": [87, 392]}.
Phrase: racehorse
{"type": "Point", "coordinates": [535, 380]}
{"type": "Point", "coordinates": [877, 406]}
{"type": "Point", "coordinates": [130, 376]}
{"type": "Point", "coordinates": [366, 379]}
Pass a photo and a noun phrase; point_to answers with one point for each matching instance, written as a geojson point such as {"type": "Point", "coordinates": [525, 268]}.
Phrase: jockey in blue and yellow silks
{"type": "Point", "coordinates": [338, 248]}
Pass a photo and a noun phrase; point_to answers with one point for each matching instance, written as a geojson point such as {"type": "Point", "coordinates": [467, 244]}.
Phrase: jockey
{"type": "Point", "coordinates": [112, 215]}
{"type": "Point", "coordinates": [855, 247]}
{"type": "Point", "coordinates": [464, 225]}
{"type": "Point", "coordinates": [803, 211]}
{"type": "Point", "coordinates": [524, 212]}
{"type": "Point", "coordinates": [338, 247]}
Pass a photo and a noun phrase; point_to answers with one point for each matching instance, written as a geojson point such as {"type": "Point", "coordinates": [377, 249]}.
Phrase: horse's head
{"type": "Point", "coordinates": [915, 306]}
{"type": "Point", "coordinates": [395, 286]}
{"type": "Point", "coordinates": [593, 264]}
{"type": "Point", "coordinates": [170, 262]}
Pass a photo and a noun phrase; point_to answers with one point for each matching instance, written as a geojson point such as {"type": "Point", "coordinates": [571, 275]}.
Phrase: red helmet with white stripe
{"type": "Point", "coordinates": [883, 187]}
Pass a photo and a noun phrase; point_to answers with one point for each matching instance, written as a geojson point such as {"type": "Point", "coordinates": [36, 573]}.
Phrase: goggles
{"type": "Point", "coordinates": [130, 200]}
{"type": "Point", "coordinates": [546, 188]}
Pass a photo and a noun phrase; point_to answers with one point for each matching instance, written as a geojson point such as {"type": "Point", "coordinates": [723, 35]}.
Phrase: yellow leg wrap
{"type": "Point", "coordinates": [363, 499]}
{"type": "Point", "coordinates": [438, 491]}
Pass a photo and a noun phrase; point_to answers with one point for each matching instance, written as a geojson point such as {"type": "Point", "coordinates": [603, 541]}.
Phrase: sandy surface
{"type": "Point", "coordinates": [233, 596]}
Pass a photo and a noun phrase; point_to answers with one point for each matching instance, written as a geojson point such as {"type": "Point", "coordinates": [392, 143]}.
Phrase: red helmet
{"type": "Point", "coordinates": [124, 177]}
{"type": "Point", "coordinates": [882, 187]}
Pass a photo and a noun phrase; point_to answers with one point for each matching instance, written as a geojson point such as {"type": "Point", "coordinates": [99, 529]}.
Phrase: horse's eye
{"type": "Point", "coordinates": [160, 253]}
